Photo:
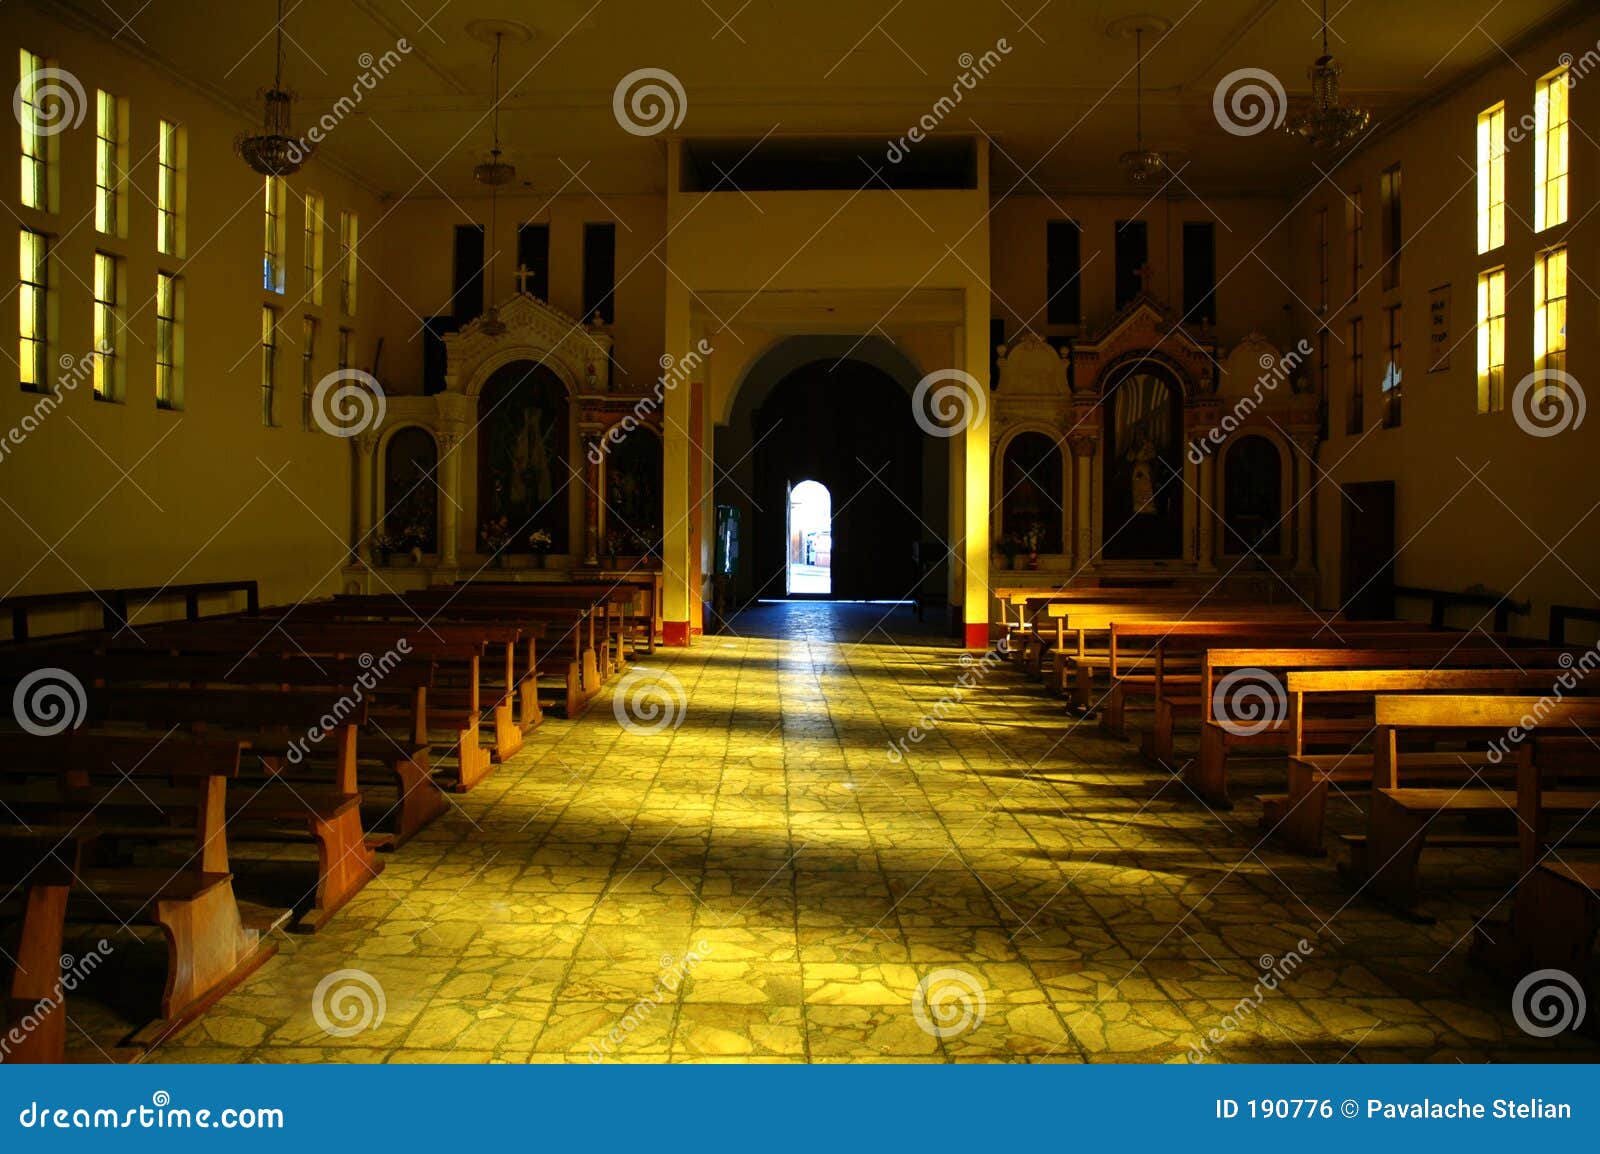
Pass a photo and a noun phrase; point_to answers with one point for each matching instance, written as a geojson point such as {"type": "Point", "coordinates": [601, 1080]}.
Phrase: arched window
{"type": "Point", "coordinates": [1252, 484]}
{"type": "Point", "coordinates": [1032, 497]}
{"type": "Point", "coordinates": [411, 491]}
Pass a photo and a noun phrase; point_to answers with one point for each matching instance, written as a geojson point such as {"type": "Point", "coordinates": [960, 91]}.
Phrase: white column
{"type": "Point", "coordinates": [1083, 453]}
{"type": "Point", "coordinates": [449, 498]}
{"type": "Point", "coordinates": [1206, 512]}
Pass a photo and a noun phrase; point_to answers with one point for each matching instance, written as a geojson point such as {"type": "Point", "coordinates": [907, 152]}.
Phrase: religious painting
{"type": "Point", "coordinates": [1252, 497]}
{"type": "Point", "coordinates": [523, 472]}
{"type": "Point", "coordinates": [411, 491]}
{"type": "Point", "coordinates": [1031, 497]}
{"type": "Point", "coordinates": [1143, 490]}
{"type": "Point", "coordinates": [633, 495]}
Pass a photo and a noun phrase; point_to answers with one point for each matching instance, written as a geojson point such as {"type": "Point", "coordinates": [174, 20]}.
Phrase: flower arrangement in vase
{"type": "Point", "coordinates": [383, 545]}
{"type": "Point", "coordinates": [495, 535]}
{"type": "Point", "coordinates": [1032, 539]}
{"type": "Point", "coordinates": [539, 541]}
{"type": "Point", "coordinates": [1008, 546]}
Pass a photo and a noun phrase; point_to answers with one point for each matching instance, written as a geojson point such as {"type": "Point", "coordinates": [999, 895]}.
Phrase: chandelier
{"type": "Point", "coordinates": [1140, 163]}
{"type": "Point", "coordinates": [274, 151]}
{"type": "Point", "coordinates": [494, 171]}
{"type": "Point", "coordinates": [1327, 123]}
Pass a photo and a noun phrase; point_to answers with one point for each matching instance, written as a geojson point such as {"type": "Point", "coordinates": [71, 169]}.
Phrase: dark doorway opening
{"type": "Point", "coordinates": [1367, 587]}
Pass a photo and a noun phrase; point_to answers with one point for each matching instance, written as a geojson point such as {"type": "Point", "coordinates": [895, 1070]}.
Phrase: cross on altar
{"type": "Point", "coordinates": [524, 279]}
{"type": "Point", "coordinates": [1146, 274]}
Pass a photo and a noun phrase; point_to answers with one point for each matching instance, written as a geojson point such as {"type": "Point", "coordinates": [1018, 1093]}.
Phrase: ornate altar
{"type": "Point", "coordinates": [529, 439]}
{"type": "Point", "coordinates": [1144, 448]}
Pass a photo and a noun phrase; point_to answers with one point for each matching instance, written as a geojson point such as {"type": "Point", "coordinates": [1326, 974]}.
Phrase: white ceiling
{"type": "Point", "coordinates": [1060, 103]}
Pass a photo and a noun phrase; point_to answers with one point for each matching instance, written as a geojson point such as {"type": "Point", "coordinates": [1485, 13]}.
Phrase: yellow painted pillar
{"type": "Point", "coordinates": [680, 583]}
{"type": "Point", "coordinates": [972, 350]}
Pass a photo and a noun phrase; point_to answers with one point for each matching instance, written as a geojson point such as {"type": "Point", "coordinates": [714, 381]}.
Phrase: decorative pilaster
{"type": "Point", "coordinates": [593, 479]}
{"type": "Point", "coordinates": [366, 446]}
{"type": "Point", "coordinates": [1083, 454]}
{"type": "Point", "coordinates": [1206, 516]}
{"type": "Point", "coordinates": [449, 441]}
{"type": "Point", "coordinates": [1303, 554]}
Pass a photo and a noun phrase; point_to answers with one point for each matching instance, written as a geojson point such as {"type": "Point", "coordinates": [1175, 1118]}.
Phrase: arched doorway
{"type": "Point", "coordinates": [523, 453]}
{"type": "Point", "coordinates": [1143, 470]}
{"type": "Point", "coordinates": [810, 537]}
{"type": "Point", "coordinates": [411, 490]}
{"type": "Point", "coordinates": [850, 427]}
{"type": "Point", "coordinates": [1252, 497]}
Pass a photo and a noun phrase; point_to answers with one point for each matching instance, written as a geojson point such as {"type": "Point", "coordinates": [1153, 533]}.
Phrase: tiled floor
{"type": "Point", "coordinates": [765, 882]}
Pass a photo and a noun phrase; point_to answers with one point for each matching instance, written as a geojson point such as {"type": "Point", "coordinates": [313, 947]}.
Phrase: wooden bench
{"type": "Point", "coordinates": [1548, 742]}
{"type": "Point", "coordinates": [114, 604]}
{"type": "Point", "coordinates": [1297, 817]}
{"type": "Point", "coordinates": [1259, 723]}
{"type": "Point", "coordinates": [645, 585]}
{"type": "Point", "coordinates": [1554, 918]}
{"type": "Point", "coordinates": [210, 948]}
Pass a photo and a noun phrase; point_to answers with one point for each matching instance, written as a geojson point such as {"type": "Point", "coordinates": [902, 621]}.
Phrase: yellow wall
{"type": "Point", "coordinates": [210, 494]}
{"type": "Point", "coordinates": [1478, 500]}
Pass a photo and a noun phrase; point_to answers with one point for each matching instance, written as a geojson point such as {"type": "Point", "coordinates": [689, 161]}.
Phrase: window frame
{"type": "Point", "coordinates": [312, 247]}
{"type": "Point", "coordinates": [1491, 333]}
{"type": "Point", "coordinates": [1491, 177]}
{"type": "Point", "coordinates": [111, 164]}
{"type": "Point", "coordinates": [1356, 394]}
{"type": "Point", "coordinates": [1393, 385]}
{"type": "Point", "coordinates": [169, 323]}
{"type": "Point", "coordinates": [269, 366]}
{"type": "Point", "coordinates": [310, 328]}
{"type": "Point", "coordinates": [1392, 197]}
{"type": "Point", "coordinates": [1549, 327]}
{"type": "Point", "coordinates": [1551, 137]}
{"type": "Point", "coordinates": [275, 240]}
{"type": "Point", "coordinates": [349, 240]}
{"type": "Point", "coordinates": [171, 160]}
{"type": "Point", "coordinates": [1355, 229]}
{"type": "Point", "coordinates": [108, 290]}
{"type": "Point", "coordinates": [33, 323]}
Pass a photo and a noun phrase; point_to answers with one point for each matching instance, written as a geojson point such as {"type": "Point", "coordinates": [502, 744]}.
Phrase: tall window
{"type": "Point", "coordinates": [1355, 227]}
{"type": "Point", "coordinates": [347, 263]}
{"type": "Point", "coordinates": [35, 148]}
{"type": "Point", "coordinates": [274, 238]}
{"type": "Point", "coordinates": [108, 165]}
{"type": "Point", "coordinates": [1392, 379]}
{"type": "Point", "coordinates": [1131, 253]}
{"type": "Point", "coordinates": [33, 317]}
{"type": "Point", "coordinates": [269, 361]}
{"type": "Point", "coordinates": [1392, 237]}
{"type": "Point", "coordinates": [1355, 403]}
{"type": "Point", "coordinates": [1324, 378]}
{"type": "Point", "coordinates": [343, 361]}
{"type": "Point", "coordinates": [1322, 260]}
{"type": "Point", "coordinates": [1550, 310]}
{"type": "Point", "coordinates": [169, 343]}
{"type": "Point", "coordinates": [1492, 340]}
{"type": "Point", "coordinates": [1200, 271]}
{"type": "Point", "coordinates": [1062, 264]}
{"type": "Point", "coordinates": [107, 328]}
{"type": "Point", "coordinates": [1550, 152]}
{"type": "Point", "coordinates": [1492, 178]}
{"type": "Point", "coordinates": [308, 372]}
{"type": "Point", "coordinates": [169, 189]}
{"type": "Point", "coordinates": [600, 272]}
{"type": "Point", "coordinates": [313, 247]}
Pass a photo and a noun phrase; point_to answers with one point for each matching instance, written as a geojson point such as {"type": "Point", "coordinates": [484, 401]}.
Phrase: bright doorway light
{"type": "Point", "coordinates": [810, 539]}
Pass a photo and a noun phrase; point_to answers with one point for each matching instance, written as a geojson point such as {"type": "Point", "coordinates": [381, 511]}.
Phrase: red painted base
{"type": "Point", "coordinates": [675, 633]}
{"type": "Point", "coordinates": [978, 635]}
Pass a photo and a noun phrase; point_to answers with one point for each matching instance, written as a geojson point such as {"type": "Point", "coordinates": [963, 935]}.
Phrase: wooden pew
{"type": "Point", "coordinates": [1147, 658]}
{"type": "Point", "coordinates": [210, 949]}
{"type": "Point", "coordinates": [1554, 918]}
{"type": "Point", "coordinates": [646, 585]}
{"type": "Point", "coordinates": [1557, 775]}
{"type": "Point", "coordinates": [1207, 773]}
{"type": "Point", "coordinates": [1297, 817]}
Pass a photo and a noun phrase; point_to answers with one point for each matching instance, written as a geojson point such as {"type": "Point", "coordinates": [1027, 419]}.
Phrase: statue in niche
{"type": "Point", "coordinates": [522, 462]}
{"type": "Point", "coordinates": [1143, 455]}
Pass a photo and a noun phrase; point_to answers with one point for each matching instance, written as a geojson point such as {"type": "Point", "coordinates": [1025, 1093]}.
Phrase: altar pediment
{"type": "Point", "coordinates": [527, 328]}
{"type": "Point", "coordinates": [1148, 327]}
{"type": "Point", "coordinates": [1032, 367]}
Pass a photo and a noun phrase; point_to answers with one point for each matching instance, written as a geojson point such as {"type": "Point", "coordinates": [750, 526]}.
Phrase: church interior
{"type": "Point", "coordinates": [717, 531]}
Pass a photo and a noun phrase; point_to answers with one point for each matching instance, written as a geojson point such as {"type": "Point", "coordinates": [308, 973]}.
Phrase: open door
{"type": "Point", "coordinates": [810, 537]}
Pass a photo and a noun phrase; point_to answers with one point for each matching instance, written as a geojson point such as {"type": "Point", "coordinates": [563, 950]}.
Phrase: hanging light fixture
{"type": "Point", "coordinates": [1328, 123]}
{"type": "Point", "coordinates": [1141, 163]}
{"type": "Point", "coordinates": [274, 151]}
{"type": "Point", "coordinates": [494, 171]}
